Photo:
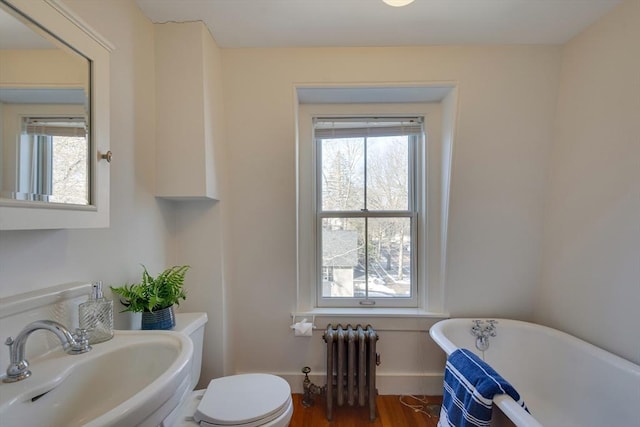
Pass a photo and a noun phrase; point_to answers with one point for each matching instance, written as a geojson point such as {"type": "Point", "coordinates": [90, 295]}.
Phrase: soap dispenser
{"type": "Point", "coordinates": [96, 315]}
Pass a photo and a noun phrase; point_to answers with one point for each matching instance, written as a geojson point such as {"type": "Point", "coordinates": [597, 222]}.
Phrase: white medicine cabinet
{"type": "Point", "coordinates": [54, 119]}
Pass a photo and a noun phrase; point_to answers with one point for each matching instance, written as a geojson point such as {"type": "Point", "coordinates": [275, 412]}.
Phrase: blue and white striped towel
{"type": "Point", "coordinates": [469, 387]}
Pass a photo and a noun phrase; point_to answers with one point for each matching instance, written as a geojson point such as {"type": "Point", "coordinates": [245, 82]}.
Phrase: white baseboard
{"type": "Point", "coordinates": [429, 384]}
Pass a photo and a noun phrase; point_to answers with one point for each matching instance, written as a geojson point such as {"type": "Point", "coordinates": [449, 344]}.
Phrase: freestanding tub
{"type": "Point", "coordinates": [565, 382]}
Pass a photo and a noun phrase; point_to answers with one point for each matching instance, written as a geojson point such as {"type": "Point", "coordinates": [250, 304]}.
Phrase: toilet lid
{"type": "Point", "coordinates": [243, 399]}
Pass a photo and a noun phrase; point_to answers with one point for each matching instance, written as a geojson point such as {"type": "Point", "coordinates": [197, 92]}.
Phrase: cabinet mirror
{"type": "Point", "coordinates": [53, 118]}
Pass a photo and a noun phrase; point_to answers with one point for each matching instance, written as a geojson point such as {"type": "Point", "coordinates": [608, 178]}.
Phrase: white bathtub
{"type": "Point", "coordinates": [565, 382]}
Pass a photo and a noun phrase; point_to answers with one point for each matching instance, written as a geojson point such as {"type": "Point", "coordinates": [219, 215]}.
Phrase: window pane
{"type": "Point", "coordinates": [389, 257]}
{"type": "Point", "coordinates": [343, 257]}
{"type": "Point", "coordinates": [342, 177]}
{"type": "Point", "coordinates": [388, 173]}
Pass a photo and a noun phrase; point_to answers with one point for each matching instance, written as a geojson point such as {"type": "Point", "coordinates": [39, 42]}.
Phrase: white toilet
{"type": "Point", "coordinates": [247, 400]}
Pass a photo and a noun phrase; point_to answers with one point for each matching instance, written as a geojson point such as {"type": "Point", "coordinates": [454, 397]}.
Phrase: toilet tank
{"type": "Point", "coordinates": [192, 324]}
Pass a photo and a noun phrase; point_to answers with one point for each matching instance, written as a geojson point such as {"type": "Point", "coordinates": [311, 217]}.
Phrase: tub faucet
{"type": "Point", "coordinates": [71, 343]}
{"type": "Point", "coordinates": [482, 331]}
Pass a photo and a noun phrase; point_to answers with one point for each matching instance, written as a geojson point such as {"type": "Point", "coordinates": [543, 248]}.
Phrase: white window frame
{"type": "Point", "coordinates": [413, 212]}
{"type": "Point", "coordinates": [429, 280]}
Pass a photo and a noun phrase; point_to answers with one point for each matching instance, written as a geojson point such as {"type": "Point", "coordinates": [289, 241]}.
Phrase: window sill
{"type": "Point", "coordinates": [382, 319]}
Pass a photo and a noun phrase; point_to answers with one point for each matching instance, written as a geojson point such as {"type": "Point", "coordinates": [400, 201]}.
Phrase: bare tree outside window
{"type": "Point", "coordinates": [342, 174]}
{"type": "Point", "coordinates": [70, 174]}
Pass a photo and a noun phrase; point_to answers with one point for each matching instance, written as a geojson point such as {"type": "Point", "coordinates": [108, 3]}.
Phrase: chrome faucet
{"type": "Point", "coordinates": [482, 331]}
{"type": "Point", "coordinates": [71, 343]}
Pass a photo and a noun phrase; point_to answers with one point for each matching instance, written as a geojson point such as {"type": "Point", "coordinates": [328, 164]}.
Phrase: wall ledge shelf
{"type": "Point", "coordinates": [382, 319]}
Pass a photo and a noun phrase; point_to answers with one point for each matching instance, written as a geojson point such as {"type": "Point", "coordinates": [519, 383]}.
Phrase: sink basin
{"type": "Point", "coordinates": [136, 378]}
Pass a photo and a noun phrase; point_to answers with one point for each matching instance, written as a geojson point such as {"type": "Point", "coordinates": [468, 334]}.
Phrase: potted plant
{"type": "Point", "coordinates": [155, 297]}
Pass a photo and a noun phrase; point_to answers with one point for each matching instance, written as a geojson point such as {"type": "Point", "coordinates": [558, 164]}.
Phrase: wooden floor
{"type": "Point", "coordinates": [391, 413]}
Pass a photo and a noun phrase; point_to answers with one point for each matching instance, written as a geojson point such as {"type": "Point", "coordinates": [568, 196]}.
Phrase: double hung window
{"type": "Point", "coordinates": [366, 210]}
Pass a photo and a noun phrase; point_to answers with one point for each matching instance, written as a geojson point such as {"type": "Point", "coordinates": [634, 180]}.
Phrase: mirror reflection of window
{"type": "Point", "coordinates": [46, 82]}
{"type": "Point", "coordinates": [53, 159]}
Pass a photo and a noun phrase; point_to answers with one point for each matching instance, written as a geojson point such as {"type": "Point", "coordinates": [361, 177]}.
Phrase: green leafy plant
{"type": "Point", "coordinates": [153, 294]}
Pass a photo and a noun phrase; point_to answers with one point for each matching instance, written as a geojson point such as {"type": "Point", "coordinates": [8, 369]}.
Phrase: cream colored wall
{"type": "Point", "coordinates": [38, 259]}
{"type": "Point", "coordinates": [506, 107]}
{"type": "Point", "coordinates": [42, 68]}
{"type": "Point", "coordinates": [591, 266]}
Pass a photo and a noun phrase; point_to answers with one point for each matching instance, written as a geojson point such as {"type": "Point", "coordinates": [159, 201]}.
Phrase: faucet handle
{"type": "Point", "coordinates": [491, 329]}
{"type": "Point", "coordinates": [306, 371]}
{"type": "Point", "coordinates": [9, 342]}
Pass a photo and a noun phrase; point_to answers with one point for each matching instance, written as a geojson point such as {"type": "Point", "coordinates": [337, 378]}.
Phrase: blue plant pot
{"type": "Point", "coordinates": [163, 319]}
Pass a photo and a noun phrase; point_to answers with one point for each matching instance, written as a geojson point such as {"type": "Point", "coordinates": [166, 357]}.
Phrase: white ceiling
{"type": "Point", "coordinates": [298, 23]}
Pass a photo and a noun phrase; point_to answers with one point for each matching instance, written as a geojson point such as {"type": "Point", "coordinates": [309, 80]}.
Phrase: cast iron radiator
{"type": "Point", "coordinates": [351, 367]}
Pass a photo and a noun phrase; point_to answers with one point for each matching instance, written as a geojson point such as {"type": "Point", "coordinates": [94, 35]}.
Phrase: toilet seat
{"type": "Point", "coordinates": [247, 400]}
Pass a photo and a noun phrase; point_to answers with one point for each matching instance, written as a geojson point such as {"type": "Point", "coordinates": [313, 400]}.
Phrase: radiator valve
{"type": "Point", "coordinates": [309, 388]}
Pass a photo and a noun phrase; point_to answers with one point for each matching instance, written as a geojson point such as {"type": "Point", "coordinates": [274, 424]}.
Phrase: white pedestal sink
{"type": "Point", "coordinates": [136, 378]}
